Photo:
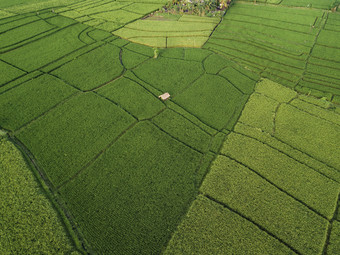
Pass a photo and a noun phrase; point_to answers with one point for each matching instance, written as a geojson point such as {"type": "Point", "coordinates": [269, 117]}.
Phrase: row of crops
{"type": "Point", "coordinates": [296, 47]}
{"type": "Point", "coordinates": [231, 162]}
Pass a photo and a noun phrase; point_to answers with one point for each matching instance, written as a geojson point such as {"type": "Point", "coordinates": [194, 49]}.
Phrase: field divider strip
{"type": "Point", "coordinates": [96, 156]}
{"type": "Point", "coordinates": [277, 187]}
{"type": "Point", "coordinates": [311, 49]}
{"type": "Point", "coordinates": [251, 221]}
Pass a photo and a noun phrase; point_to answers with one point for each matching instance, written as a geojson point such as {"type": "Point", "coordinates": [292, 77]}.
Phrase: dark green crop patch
{"type": "Point", "coordinates": [212, 99]}
{"type": "Point", "coordinates": [131, 96]}
{"type": "Point", "coordinates": [32, 99]}
{"type": "Point", "coordinates": [169, 75]}
{"type": "Point", "coordinates": [140, 187]}
{"type": "Point", "coordinates": [92, 69]}
{"type": "Point", "coordinates": [68, 137]}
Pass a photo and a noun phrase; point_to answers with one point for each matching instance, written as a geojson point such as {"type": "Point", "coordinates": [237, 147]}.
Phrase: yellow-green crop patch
{"type": "Point", "coordinates": [29, 222]}
{"type": "Point", "coordinates": [166, 30]}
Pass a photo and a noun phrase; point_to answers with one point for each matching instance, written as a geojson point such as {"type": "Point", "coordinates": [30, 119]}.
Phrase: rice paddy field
{"type": "Point", "coordinates": [244, 158]}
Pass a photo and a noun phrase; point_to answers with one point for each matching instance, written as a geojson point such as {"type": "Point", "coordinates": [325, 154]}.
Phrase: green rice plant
{"type": "Point", "coordinates": [322, 112]}
{"type": "Point", "coordinates": [142, 8]}
{"type": "Point", "coordinates": [93, 69]}
{"type": "Point", "coordinates": [60, 21]}
{"type": "Point", "coordinates": [309, 133]}
{"type": "Point", "coordinates": [70, 57]}
{"type": "Point", "coordinates": [328, 38]}
{"type": "Point", "coordinates": [327, 53]}
{"type": "Point", "coordinates": [323, 4]}
{"type": "Point", "coordinates": [133, 97]}
{"type": "Point", "coordinates": [262, 203]}
{"type": "Point", "coordinates": [212, 99]}
{"type": "Point", "coordinates": [264, 108]}
{"type": "Point", "coordinates": [71, 135]}
{"type": "Point", "coordinates": [192, 118]}
{"type": "Point", "coordinates": [298, 16]}
{"type": "Point", "coordinates": [36, 5]}
{"type": "Point", "coordinates": [241, 81]}
{"type": "Point", "coordinates": [334, 243]}
{"type": "Point", "coordinates": [215, 63]}
{"type": "Point", "coordinates": [177, 53]}
{"type": "Point", "coordinates": [31, 99]}
{"type": "Point", "coordinates": [19, 81]}
{"type": "Point", "coordinates": [186, 41]}
{"type": "Point", "coordinates": [141, 185]}
{"type": "Point", "coordinates": [99, 35]}
{"type": "Point", "coordinates": [8, 73]}
{"type": "Point", "coordinates": [169, 75]}
{"type": "Point", "coordinates": [17, 22]}
{"type": "Point", "coordinates": [182, 129]}
{"type": "Point", "coordinates": [119, 17]}
{"type": "Point", "coordinates": [299, 180]}
{"type": "Point", "coordinates": [210, 228]}
{"type": "Point", "coordinates": [217, 141]}
{"type": "Point", "coordinates": [275, 91]}
{"type": "Point", "coordinates": [193, 54]}
{"type": "Point", "coordinates": [45, 50]}
{"type": "Point", "coordinates": [323, 87]}
{"type": "Point", "coordinates": [141, 49]}
{"type": "Point", "coordinates": [169, 33]}
{"type": "Point", "coordinates": [131, 59]}
{"type": "Point", "coordinates": [298, 155]}
{"type": "Point", "coordinates": [29, 222]}
{"type": "Point", "coordinates": [101, 8]}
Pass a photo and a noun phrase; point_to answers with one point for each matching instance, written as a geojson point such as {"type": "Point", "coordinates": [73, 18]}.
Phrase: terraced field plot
{"type": "Point", "coordinates": [296, 47]}
{"type": "Point", "coordinates": [231, 164]}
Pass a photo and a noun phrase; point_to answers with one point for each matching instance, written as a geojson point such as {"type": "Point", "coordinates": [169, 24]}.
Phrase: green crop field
{"type": "Point", "coordinates": [243, 158]}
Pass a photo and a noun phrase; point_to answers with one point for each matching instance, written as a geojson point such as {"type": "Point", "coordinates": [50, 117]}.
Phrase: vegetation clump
{"type": "Point", "coordinates": [209, 8]}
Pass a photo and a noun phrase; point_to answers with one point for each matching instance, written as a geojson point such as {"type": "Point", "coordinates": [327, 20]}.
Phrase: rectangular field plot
{"type": "Point", "coordinates": [139, 187]}
{"type": "Point", "coordinates": [132, 97]}
{"type": "Point", "coordinates": [30, 99]}
{"type": "Point", "coordinates": [247, 193]}
{"type": "Point", "coordinates": [265, 37]}
{"type": "Point", "coordinates": [11, 38]}
{"type": "Point", "coordinates": [92, 69]}
{"type": "Point", "coordinates": [299, 180]}
{"type": "Point", "coordinates": [210, 228]}
{"type": "Point", "coordinates": [45, 50]}
{"type": "Point", "coordinates": [161, 31]}
{"type": "Point", "coordinates": [184, 130]}
{"type": "Point", "coordinates": [68, 137]}
{"type": "Point", "coordinates": [169, 75]}
{"type": "Point", "coordinates": [8, 72]}
{"type": "Point", "coordinates": [212, 99]}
